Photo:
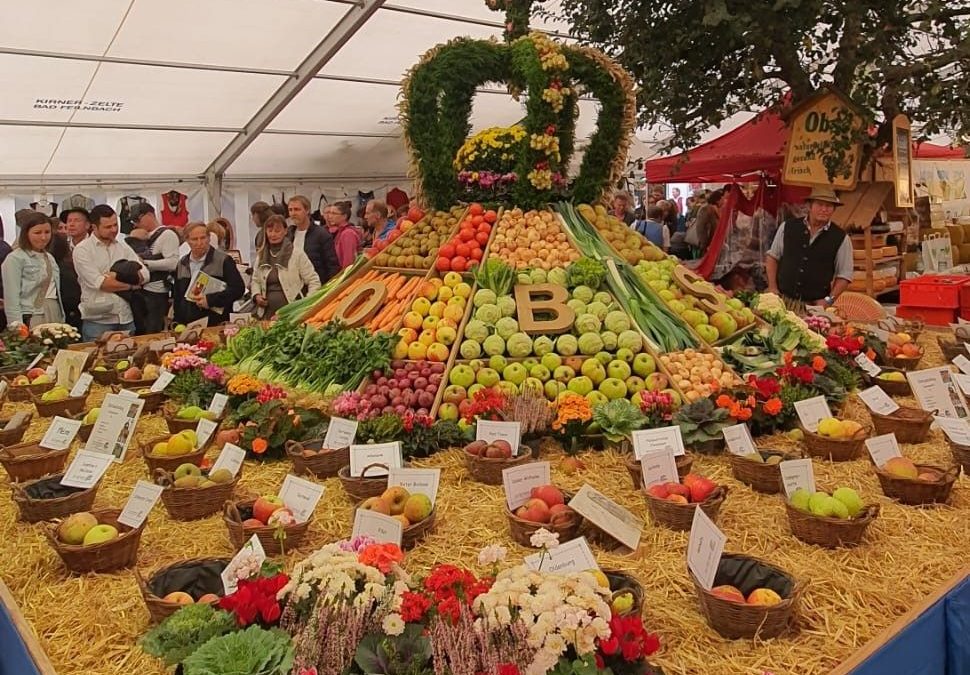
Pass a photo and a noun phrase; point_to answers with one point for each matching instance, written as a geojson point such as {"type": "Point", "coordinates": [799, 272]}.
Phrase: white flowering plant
{"type": "Point", "coordinates": [56, 335]}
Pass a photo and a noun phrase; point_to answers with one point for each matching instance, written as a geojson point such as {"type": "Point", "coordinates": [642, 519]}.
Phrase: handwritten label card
{"type": "Point", "coordinates": [381, 528]}
{"type": "Point", "coordinates": [652, 440]}
{"type": "Point", "coordinates": [569, 557]}
{"type": "Point", "coordinates": [300, 496]}
{"type": "Point", "coordinates": [251, 549]}
{"type": "Point", "coordinates": [86, 469]}
{"type": "Point", "coordinates": [82, 385]}
{"type": "Point", "coordinates": [129, 394]}
{"type": "Point", "coordinates": [878, 400]}
{"type": "Point", "coordinates": [883, 448]}
{"type": "Point", "coordinates": [704, 549]}
{"type": "Point", "coordinates": [867, 365]}
{"type": "Point", "coordinates": [659, 466]}
{"type": "Point", "coordinates": [36, 360]}
{"type": "Point", "coordinates": [341, 433]}
{"type": "Point", "coordinates": [218, 404]}
{"type": "Point", "coordinates": [19, 419]}
{"type": "Point", "coordinates": [963, 381]}
{"type": "Point", "coordinates": [230, 457]}
{"type": "Point", "coordinates": [417, 481]}
{"type": "Point", "coordinates": [60, 433]}
{"type": "Point", "coordinates": [141, 501]}
{"type": "Point", "coordinates": [162, 381]}
{"type": "Point", "coordinates": [362, 456]}
{"type": "Point", "coordinates": [738, 439]}
{"type": "Point", "coordinates": [116, 424]}
{"type": "Point", "coordinates": [489, 431]}
{"type": "Point", "coordinates": [963, 363]}
{"type": "Point", "coordinates": [203, 431]}
{"type": "Point", "coordinates": [519, 481]}
{"type": "Point", "coordinates": [811, 411]}
{"type": "Point", "coordinates": [607, 515]}
{"type": "Point", "coordinates": [957, 430]}
{"type": "Point", "coordinates": [797, 473]}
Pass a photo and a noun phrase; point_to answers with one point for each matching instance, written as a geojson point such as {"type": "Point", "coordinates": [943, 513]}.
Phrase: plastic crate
{"type": "Point", "coordinates": [932, 316]}
{"type": "Point", "coordinates": [965, 298]}
{"type": "Point", "coordinates": [932, 291]}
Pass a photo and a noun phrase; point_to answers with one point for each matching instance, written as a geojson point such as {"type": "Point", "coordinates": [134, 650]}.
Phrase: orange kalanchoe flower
{"type": "Point", "coordinates": [381, 556]}
{"type": "Point", "coordinates": [789, 358]}
{"type": "Point", "coordinates": [260, 445]}
{"type": "Point", "coordinates": [818, 364]}
{"type": "Point", "coordinates": [773, 406]}
{"type": "Point", "coordinates": [724, 401]}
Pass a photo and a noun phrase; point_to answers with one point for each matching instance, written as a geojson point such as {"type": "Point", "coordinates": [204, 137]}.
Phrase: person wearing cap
{"type": "Point", "coordinates": [161, 258]}
{"type": "Point", "coordinates": [810, 259]}
{"type": "Point", "coordinates": [78, 223]}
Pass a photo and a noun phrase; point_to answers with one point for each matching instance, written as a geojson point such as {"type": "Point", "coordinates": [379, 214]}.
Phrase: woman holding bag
{"type": "Point", "coordinates": [283, 272]}
{"type": "Point", "coordinates": [31, 277]}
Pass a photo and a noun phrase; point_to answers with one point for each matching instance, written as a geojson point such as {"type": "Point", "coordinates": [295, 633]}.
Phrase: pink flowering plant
{"type": "Point", "coordinates": [197, 380]}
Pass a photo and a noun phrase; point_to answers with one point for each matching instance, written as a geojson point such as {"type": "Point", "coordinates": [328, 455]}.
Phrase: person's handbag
{"type": "Point", "coordinates": [692, 236]}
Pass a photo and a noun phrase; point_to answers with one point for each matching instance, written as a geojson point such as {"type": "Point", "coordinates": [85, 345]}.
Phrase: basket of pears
{"type": "Point", "coordinates": [57, 401]}
{"type": "Point", "coordinates": [760, 470]}
{"type": "Point", "coordinates": [836, 440]}
{"type": "Point", "coordinates": [94, 541]}
{"type": "Point", "coordinates": [829, 520]}
{"type": "Point", "coordinates": [171, 452]}
{"type": "Point", "coordinates": [191, 493]}
{"type": "Point", "coordinates": [187, 417]}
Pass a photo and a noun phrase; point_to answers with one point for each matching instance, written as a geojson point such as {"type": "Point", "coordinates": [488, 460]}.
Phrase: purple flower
{"type": "Point", "coordinates": [214, 373]}
{"type": "Point", "coordinates": [356, 544]}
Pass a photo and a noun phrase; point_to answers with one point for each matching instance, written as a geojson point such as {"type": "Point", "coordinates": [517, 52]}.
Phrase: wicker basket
{"type": "Point", "coordinates": [15, 435]}
{"type": "Point", "coordinates": [567, 528]}
{"type": "Point", "coordinates": [28, 461]}
{"type": "Point", "coordinates": [153, 399]}
{"type": "Point", "coordinates": [914, 492]}
{"type": "Point", "coordinates": [412, 534]}
{"type": "Point", "coordinates": [68, 407]}
{"type": "Point", "coordinates": [684, 463]}
{"type": "Point", "coordinates": [362, 487]}
{"type": "Point", "coordinates": [192, 503]}
{"type": "Point", "coordinates": [911, 425]}
{"type": "Point", "coordinates": [681, 516]}
{"type": "Point", "coordinates": [84, 431]}
{"type": "Point", "coordinates": [489, 470]}
{"type": "Point", "coordinates": [892, 388]}
{"type": "Point", "coordinates": [961, 455]}
{"type": "Point", "coordinates": [232, 514]}
{"type": "Point", "coordinates": [736, 620]}
{"type": "Point", "coordinates": [952, 348]}
{"type": "Point", "coordinates": [105, 377]}
{"type": "Point", "coordinates": [107, 557]}
{"type": "Point", "coordinates": [715, 446]}
{"type": "Point", "coordinates": [830, 532]}
{"type": "Point", "coordinates": [621, 582]}
{"type": "Point", "coordinates": [159, 609]}
{"type": "Point", "coordinates": [836, 450]}
{"type": "Point", "coordinates": [169, 463]}
{"type": "Point", "coordinates": [904, 362]}
{"type": "Point", "coordinates": [760, 477]}
{"type": "Point", "coordinates": [19, 393]}
{"type": "Point", "coordinates": [176, 425]}
{"type": "Point", "coordinates": [325, 464]}
{"type": "Point", "coordinates": [33, 510]}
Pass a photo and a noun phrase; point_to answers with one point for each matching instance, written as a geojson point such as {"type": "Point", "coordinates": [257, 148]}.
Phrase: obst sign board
{"type": "Point", "coordinates": [813, 124]}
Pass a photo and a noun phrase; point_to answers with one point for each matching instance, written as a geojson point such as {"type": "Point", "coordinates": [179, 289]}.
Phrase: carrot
{"type": "Point", "coordinates": [390, 309]}
{"type": "Point", "coordinates": [408, 289]}
{"type": "Point", "coordinates": [394, 285]}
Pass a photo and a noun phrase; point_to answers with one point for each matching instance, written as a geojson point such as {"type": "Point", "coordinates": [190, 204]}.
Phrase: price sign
{"type": "Point", "coordinates": [704, 549]}
{"type": "Point", "coordinates": [249, 559]}
{"type": "Point", "coordinates": [240, 318]}
{"type": "Point", "coordinates": [878, 400]}
{"type": "Point", "coordinates": [204, 429]}
{"type": "Point", "coordinates": [362, 456]}
{"type": "Point", "coordinates": [937, 391]}
{"type": "Point", "coordinates": [218, 404]}
{"type": "Point", "coordinates": [36, 360]}
{"type": "Point", "coordinates": [141, 501]}
{"type": "Point", "coordinates": [489, 431]}
{"type": "Point", "coordinates": [957, 430]}
{"type": "Point", "coordinates": [340, 433]}
{"type": "Point", "coordinates": [82, 385]}
{"type": "Point", "coordinates": [738, 439]}
{"type": "Point", "coordinates": [797, 473]}
{"type": "Point", "coordinates": [883, 448]}
{"type": "Point", "coordinates": [811, 411]}
{"type": "Point", "coordinates": [607, 515]}
{"type": "Point", "coordinates": [378, 526]}
{"type": "Point", "coordinates": [867, 365]}
{"type": "Point", "coordinates": [653, 440]}
{"type": "Point", "coordinates": [231, 457]}
{"type": "Point", "coordinates": [86, 469]}
{"type": "Point", "coordinates": [18, 420]}
{"type": "Point", "coordinates": [963, 363]}
{"type": "Point", "coordinates": [569, 557]}
{"type": "Point", "coordinates": [519, 481]}
{"type": "Point", "coordinates": [416, 481]}
{"type": "Point", "coordinates": [60, 433]}
{"type": "Point", "coordinates": [162, 381]}
{"type": "Point", "coordinates": [300, 496]}
{"type": "Point", "coordinates": [659, 466]}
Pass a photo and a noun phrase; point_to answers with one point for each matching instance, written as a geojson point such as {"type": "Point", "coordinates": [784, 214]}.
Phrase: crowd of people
{"type": "Point", "coordinates": [681, 227]}
{"type": "Point", "coordinates": [77, 269]}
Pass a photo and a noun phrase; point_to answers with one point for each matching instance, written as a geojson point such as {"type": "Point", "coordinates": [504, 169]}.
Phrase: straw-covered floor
{"type": "Point", "coordinates": [91, 624]}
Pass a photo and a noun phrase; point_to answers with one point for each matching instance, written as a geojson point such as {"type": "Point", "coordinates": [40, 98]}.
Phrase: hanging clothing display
{"type": "Point", "coordinates": [125, 205]}
{"type": "Point", "coordinates": [175, 212]}
{"type": "Point", "coordinates": [45, 207]}
{"type": "Point", "coordinates": [77, 201]}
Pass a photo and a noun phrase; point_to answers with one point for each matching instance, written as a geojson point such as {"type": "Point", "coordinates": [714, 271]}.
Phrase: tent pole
{"type": "Point", "coordinates": [213, 188]}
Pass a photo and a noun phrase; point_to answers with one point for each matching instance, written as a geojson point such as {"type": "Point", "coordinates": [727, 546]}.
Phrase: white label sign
{"type": "Point", "coordinates": [340, 433]}
{"type": "Point", "coordinates": [607, 515]}
{"type": "Point", "coordinates": [704, 549]}
{"type": "Point", "coordinates": [797, 473]}
{"type": "Point", "coordinates": [878, 400]}
{"type": "Point", "coordinates": [362, 456]}
{"type": "Point", "coordinates": [251, 555]}
{"type": "Point", "coordinates": [162, 381]}
{"type": "Point", "coordinates": [218, 404]}
{"type": "Point", "coordinates": [3, 388]}
{"type": "Point", "coordinates": [883, 448]}
{"type": "Point", "coordinates": [86, 469]}
{"type": "Point", "coordinates": [963, 381]}
{"type": "Point", "coordinates": [300, 496]}
{"type": "Point", "coordinates": [957, 430]}
{"type": "Point", "coordinates": [963, 363]}
{"type": "Point", "coordinates": [653, 440]}
{"type": "Point", "coordinates": [738, 439]}
{"type": "Point", "coordinates": [867, 365]}
{"type": "Point", "coordinates": [519, 481]}
{"type": "Point", "coordinates": [36, 360]}
{"type": "Point", "coordinates": [141, 501]}
{"type": "Point", "coordinates": [240, 318]}
{"type": "Point", "coordinates": [937, 392]}
{"type": "Point", "coordinates": [811, 411]}
{"type": "Point", "coordinates": [489, 431]}
{"type": "Point", "coordinates": [569, 557]}
{"type": "Point", "coordinates": [60, 433]}
{"type": "Point", "coordinates": [19, 419]}
{"type": "Point", "coordinates": [381, 528]}
{"type": "Point", "coordinates": [230, 457]}
{"type": "Point", "coordinates": [82, 385]}
{"type": "Point", "coordinates": [128, 393]}
{"type": "Point", "coordinates": [115, 427]}
{"type": "Point", "coordinates": [203, 431]}
{"type": "Point", "coordinates": [416, 481]}
{"type": "Point", "coordinates": [658, 466]}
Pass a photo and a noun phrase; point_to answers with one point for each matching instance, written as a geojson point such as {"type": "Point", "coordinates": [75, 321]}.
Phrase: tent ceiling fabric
{"type": "Point", "coordinates": [136, 87]}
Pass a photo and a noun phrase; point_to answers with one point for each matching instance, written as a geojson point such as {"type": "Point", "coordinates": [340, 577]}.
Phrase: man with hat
{"type": "Point", "coordinates": [810, 259]}
{"type": "Point", "coordinates": [78, 222]}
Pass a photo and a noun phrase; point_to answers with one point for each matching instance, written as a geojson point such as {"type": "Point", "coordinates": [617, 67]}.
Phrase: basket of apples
{"type": "Point", "coordinates": [911, 425]}
{"type": "Point", "coordinates": [831, 521]}
{"type": "Point", "coordinates": [902, 352]}
{"type": "Point", "coordinates": [183, 583]}
{"type": "Point", "coordinates": [836, 440]}
{"type": "Point", "coordinates": [170, 452]}
{"type": "Point", "coordinates": [915, 484]}
{"type": "Point", "coordinates": [892, 381]}
{"type": "Point", "coordinates": [672, 504]}
{"type": "Point", "coordinates": [268, 519]}
{"type": "Point", "coordinates": [58, 401]}
{"type": "Point", "coordinates": [27, 386]}
{"type": "Point", "coordinates": [486, 461]}
{"type": "Point", "coordinates": [684, 463]}
{"type": "Point", "coordinates": [416, 512]}
{"type": "Point", "coordinates": [546, 508]}
{"type": "Point", "coordinates": [94, 541]}
{"type": "Point", "coordinates": [749, 598]}
{"type": "Point", "coordinates": [760, 470]}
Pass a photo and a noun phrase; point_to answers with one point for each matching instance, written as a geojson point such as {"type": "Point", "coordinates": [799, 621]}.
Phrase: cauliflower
{"type": "Point", "coordinates": [506, 305]}
{"type": "Point", "coordinates": [584, 293]}
{"type": "Point", "coordinates": [630, 339]}
{"type": "Point", "coordinates": [590, 343]}
{"type": "Point", "coordinates": [470, 349]}
{"type": "Point", "coordinates": [476, 330]}
{"type": "Point", "coordinates": [556, 276]}
{"type": "Point", "coordinates": [542, 345]}
{"type": "Point", "coordinates": [588, 323]}
{"type": "Point", "coordinates": [538, 276]}
{"type": "Point", "coordinates": [567, 345]}
{"type": "Point", "coordinates": [505, 327]}
{"type": "Point", "coordinates": [494, 344]}
{"type": "Point", "coordinates": [604, 297]}
{"type": "Point", "coordinates": [597, 309]}
{"type": "Point", "coordinates": [617, 321]}
{"type": "Point", "coordinates": [488, 314]}
{"type": "Point", "coordinates": [609, 340]}
{"type": "Point", "coordinates": [577, 306]}
{"type": "Point", "coordinates": [484, 296]}
{"type": "Point", "coordinates": [519, 345]}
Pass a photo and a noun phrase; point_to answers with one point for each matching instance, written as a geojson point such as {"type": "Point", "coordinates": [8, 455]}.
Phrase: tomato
{"type": "Point", "coordinates": [415, 214]}
{"type": "Point", "coordinates": [458, 264]}
{"type": "Point", "coordinates": [477, 220]}
{"type": "Point", "coordinates": [484, 227]}
{"type": "Point", "coordinates": [476, 254]}
{"type": "Point", "coordinates": [442, 265]}
{"type": "Point", "coordinates": [482, 238]}
{"type": "Point", "coordinates": [490, 216]}
{"type": "Point", "coordinates": [466, 234]}
{"type": "Point", "coordinates": [447, 251]}
{"type": "Point", "coordinates": [462, 251]}
{"type": "Point", "coordinates": [476, 210]}
{"type": "Point", "coordinates": [395, 233]}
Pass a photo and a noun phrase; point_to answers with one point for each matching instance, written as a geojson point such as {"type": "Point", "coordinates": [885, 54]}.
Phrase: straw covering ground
{"type": "Point", "coordinates": [91, 624]}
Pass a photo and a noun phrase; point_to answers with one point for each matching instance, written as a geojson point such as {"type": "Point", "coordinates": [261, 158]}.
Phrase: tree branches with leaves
{"type": "Point", "coordinates": [697, 62]}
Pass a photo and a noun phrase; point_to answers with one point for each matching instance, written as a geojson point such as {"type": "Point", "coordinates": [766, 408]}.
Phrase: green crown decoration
{"type": "Point", "coordinates": [526, 164]}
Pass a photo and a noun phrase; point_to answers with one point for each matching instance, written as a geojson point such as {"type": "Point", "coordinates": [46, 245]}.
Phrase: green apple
{"type": "Point", "coordinates": [618, 369]}
{"type": "Point", "coordinates": [92, 416]}
{"type": "Point", "coordinates": [553, 388]}
{"type": "Point", "coordinates": [581, 385]}
{"type": "Point", "coordinates": [596, 398]}
{"type": "Point", "coordinates": [448, 411]}
{"type": "Point", "coordinates": [604, 357]}
{"type": "Point", "coordinates": [487, 377]}
{"type": "Point", "coordinates": [644, 365]}
{"type": "Point", "coordinates": [507, 388]}
{"type": "Point", "coordinates": [613, 388]}
{"type": "Point", "coordinates": [540, 372]}
{"type": "Point", "coordinates": [474, 388]}
{"type": "Point", "coordinates": [100, 534]}
{"type": "Point", "coordinates": [462, 375]}
{"type": "Point", "coordinates": [635, 384]}
{"type": "Point", "coordinates": [497, 362]}
{"type": "Point", "coordinates": [594, 370]}
{"type": "Point", "coordinates": [515, 373]}
{"type": "Point", "coordinates": [625, 354]}
{"type": "Point", "coordinates": [551, 361]}
{"type": "Point", "coordinates": [563, 374]}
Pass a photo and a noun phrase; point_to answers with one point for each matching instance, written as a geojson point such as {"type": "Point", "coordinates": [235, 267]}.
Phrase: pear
{"type": "Point", "coordinates": [221, 476]}
{"type": "Point", "coordinates": [800, 499]}
{"type": "Point", "coordinates": [187, 469]}
{"type": "Point", "coordinates": [754, 457]}
{"type": "Point", "coordinates": [187, 482]}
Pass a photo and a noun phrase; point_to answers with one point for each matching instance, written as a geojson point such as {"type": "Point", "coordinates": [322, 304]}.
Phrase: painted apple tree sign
{"type": "Point", "coordinates": [436, 107]}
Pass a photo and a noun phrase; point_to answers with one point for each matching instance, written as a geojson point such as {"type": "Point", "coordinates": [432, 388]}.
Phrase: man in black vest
{"type": "Point", "coordinates": [810, 260]}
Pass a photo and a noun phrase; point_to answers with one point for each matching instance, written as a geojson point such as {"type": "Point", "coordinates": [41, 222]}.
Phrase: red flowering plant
{"type": "Point", "coordinates": [658, 407]}
{"type": "Point", "coordinates": [443, 593]}
{"type": "Point", "coordinates": [486, 404]}
{"type": "Point", "coordinates": [758, 403]}
{"type": "Point", "coordinates": [254, 600]}
{"type": "Point", "coordinates": [625, 652]}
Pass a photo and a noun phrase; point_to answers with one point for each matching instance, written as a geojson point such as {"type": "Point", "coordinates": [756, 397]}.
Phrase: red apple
{"type": "Point", "coordinates": [677, 499]}
{"type": "Point", "coordinates": [701, 489]}
{"type": "Point", "coordinates": [678, 489]}
{"type": "Point", "coordinates": [252, 522]}
{"type": "Point", "coordinates": [659, 491]}
{"type": "Point", "coordinates": [504, 445]}
{"type": "Point", "coordinates": [264, 506]}
{"type": "Point", "coordinates": [550, 494]}
{"type": "Point", "coordinates": [729, 593]}
{"type": "Point", "coordinates": [476, 447]}
{"type": "Point", "coordinates": [536, 511]}
{"type": "Point", "coordinates": [496, 452]}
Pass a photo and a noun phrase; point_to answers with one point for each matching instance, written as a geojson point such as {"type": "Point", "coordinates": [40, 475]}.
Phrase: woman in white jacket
{"type": "Point", "coordinates": [283, 271]}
